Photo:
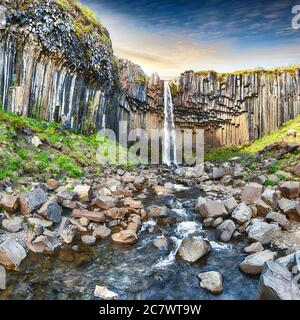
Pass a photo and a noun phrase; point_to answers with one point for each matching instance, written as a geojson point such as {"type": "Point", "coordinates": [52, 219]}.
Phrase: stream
{"type": "Point", "coordinates": [141, 271]}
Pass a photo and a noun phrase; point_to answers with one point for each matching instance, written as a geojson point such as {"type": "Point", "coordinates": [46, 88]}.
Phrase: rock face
{"type": "Point", "coordinates": [277, 283]}
{"type": "Point", "coordinates": [211, 281]}
{"type": "Point", "coordinates": [193, 249]}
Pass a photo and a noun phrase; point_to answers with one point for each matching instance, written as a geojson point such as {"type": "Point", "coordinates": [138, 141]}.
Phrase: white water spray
{"type": "Point", "coordinates": [169, 152]}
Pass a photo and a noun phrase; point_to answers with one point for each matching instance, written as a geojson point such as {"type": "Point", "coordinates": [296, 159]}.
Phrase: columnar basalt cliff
{"type": "Point", "coordinates": [50, 69]}
{"type": "Point", "coordinates": [57, 63]}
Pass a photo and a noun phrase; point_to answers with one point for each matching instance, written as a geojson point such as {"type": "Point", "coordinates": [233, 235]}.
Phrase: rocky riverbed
{"type": "Point", "coordinates": [153, 233]}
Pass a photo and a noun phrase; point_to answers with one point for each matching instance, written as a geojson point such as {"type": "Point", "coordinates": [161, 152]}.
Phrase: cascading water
{"type": "Point", "coordinates": [169, 147]}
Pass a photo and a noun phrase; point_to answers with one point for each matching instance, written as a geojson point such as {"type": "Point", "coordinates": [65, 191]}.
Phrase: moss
{"type": "Point", "coordinates": [270, 182]}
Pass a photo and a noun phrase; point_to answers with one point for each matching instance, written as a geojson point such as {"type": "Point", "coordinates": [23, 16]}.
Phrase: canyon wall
{"type": "Point", "coordinates": [57, 64]}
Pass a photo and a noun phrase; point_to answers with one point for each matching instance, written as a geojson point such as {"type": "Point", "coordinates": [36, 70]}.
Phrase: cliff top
{"type": "Point", "coordinates": [278, 70]}
{"type": "Point", "coordinates": [66, 29]}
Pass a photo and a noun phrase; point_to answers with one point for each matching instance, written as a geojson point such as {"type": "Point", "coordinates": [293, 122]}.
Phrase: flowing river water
{"type": "Point", "coordinates": [141, 271]}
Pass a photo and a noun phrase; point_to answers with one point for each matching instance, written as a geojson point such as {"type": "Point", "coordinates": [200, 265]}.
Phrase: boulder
{"type": "Point", "coordinates": [133, 204]}
{"type": "Point", "coordinates": [192, 249]}
{"type": "Point", "coordinates": [225, 230]}
{"type": "Point", "coordinates": [262, 208]}
{"type": "Point", "coordinates": [31, 201]}
{"type": "Point", "coordinates": [161, 243]}
{"type": "Point", "coordinates": [12, 254]}
{"type": "Point", "coordinates": [263, 232]}
{"type": "Point", "coordinates": [2, 278]}
{"type": "Point", "coordinates": [155, 212]}
{"type": "Point", "coordinates": [296, 170]}
{"type": "Point", "coordinates": [67, 234]}
{"type": "Point", "coordinates": [211, 281]}
{"type": "Point", "coordinates": [253, 263]}
{"type": "Point", "coordinates": [36, 141]}
{"type": "Point", "coordinates": [39, 221]}
{"type": "Point", "coordinates": [113, 185]}
{"type": "Point", "coordinates": [222, 171]}
{"type": "Point", "coordinates": [66, 195]}
{"type": "Point", "coordinates": [9, 203]}
{"type": "Point", "coordinates": [101, 232]}
{"type": "Point", "coordinates": [270, 197]}
{"type": "Point", "coordinates": [90, 215]}
{"type": "Point", "coordinates": [242, 213]}
{"type": "Point", "coordinates": [51, 211]}
{"type": "Point", "coordinates": [217, 222]}
{"type": "Point", "coordinates": [84, 193]}
{"type": "Point", "coordinates": [230, 204]}
{"type": "Point", "coordinates": [14, 224]}
{"type": "Point", "coordinates": [288, 207]}
{"type": "Point", "coordinates": [116, 213]}
{"type": "Point", "coordinates": [52, 184]}
{"type": "Point", "coordinates": [251, 193]}
{"type": "Point", "coordinates": [44, 243]}
{"type": "Point", "coordinates": [277, 283]}
{"type": "Point", "coordinates": [104, 293]}
{"type": "Point", "coordinates": [211, 208]}
{"type": "Point", "coordinates": [105, 202]}
{"type": "Point", "coordinates": [290, 260]}
{"type": "Point", "coordinates": [290, 189]}
{"type": "Point", "coordinates": [279, 218]}
{"type": "Point", "coordinates": [125, 237]}
{"type": "Point", "coordinates": [254, 248]}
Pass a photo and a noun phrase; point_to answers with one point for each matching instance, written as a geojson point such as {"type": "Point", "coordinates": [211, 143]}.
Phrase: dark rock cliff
{"type": "Point", "coordinates": [57, 63]}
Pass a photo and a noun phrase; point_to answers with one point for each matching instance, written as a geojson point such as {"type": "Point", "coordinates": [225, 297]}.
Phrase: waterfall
{"type": "Point", "coordinates": [169, 146]}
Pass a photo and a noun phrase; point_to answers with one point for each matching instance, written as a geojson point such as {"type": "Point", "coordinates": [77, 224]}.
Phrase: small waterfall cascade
{"type": "Point", "coordinates": [169, 146]}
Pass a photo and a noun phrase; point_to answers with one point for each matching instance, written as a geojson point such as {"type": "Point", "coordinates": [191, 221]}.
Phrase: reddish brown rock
{"type": "Point", "coordinates": [116, 213]}
{"type": "Point", "coordinates": [290, 189]}
{"type": "Point", "coordinates": [52, 184]}
{"type": "Point", "coordinates": [125, 237]}
{"type": "Point", "coordinates": [90, 215]}
{"type": "Point", "coordinates": [9, 203]}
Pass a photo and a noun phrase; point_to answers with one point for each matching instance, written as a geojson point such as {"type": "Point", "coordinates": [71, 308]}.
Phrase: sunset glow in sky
{"type": "Point", "coordinates": [170, 37]}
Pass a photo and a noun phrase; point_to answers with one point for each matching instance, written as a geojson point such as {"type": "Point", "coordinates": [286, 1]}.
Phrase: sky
{"type": "Point", "coordinates": [170, 37]}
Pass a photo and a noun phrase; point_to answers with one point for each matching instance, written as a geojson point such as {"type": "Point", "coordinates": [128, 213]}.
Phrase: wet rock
{"type": "Point", "coordinates": [210, 208]}
{"type": "Point", "coordinates": [193, 249]}
{"type": "Point", "coordinates": [133, 226]}
{"type": "Point", "coordinates": [270, 197]}
{"type": "Point", "coordinates": [2, 278]}
{"type": "Point", "coordinates": [9, 203]}
{"type": "Point", "coordinates": [66, 254]}
{"type": "Point", "coordinates": [125, 237]}
{"type": "Point", "coordinates": [14, 224]}
{"type": "Point", "coordinates": [211, 281]}
{"type": "Point", "coordinates": [242, 213]}
{"type": "Point", "coordinates": [52, 184]}
{"type": "Point", "coordinates": [208, 222]}
{"type": "Point", "coordinates": [155, 212]}
{"type": "Point", "coordinates": [90, 215]}
{"type": "Point", "coordinates": [253, 263]}
{"type": "Point", "coordinates": [252, 193]}
{"type": "Point", "coordinates": [116, 213]}
{"type": "Point", "coordinates": [12, 254]}
{"type": "Point", "coordinates": [161, 243]}
{"type": "Point", "coordinates": [162, 190]}
{"type": "Point", "coordinates": [84, 193]}
{"type": "Point", "coordinates": [279, 218]}
{"type": "Point", "coordinates": [105, 202]}
{"type": "Point", "coordinates": [254, 248]}
{"type": "Point", "coordinates": [36, 141]}
{"type": "Point", "coordinates": [263, 232]}
{"type": "Point", "coordinates": [230, 205]}
{"type": "Point", "coordinates": [104, 293]}
{"type": "Point", "coordinates": [290, 189]}
{"type": "Point", "coordinates": [277, 283]}
{"type": "Point", "coordinates": [101, 232]}
{"type": "Point", "coordinates": [88, 240]}
{"type": "Point", "coordinates": [51, 211]}
{"type": "Point", "coordinates": [226, 230]}
{"type": "Point", "coordinates": [32, 201]}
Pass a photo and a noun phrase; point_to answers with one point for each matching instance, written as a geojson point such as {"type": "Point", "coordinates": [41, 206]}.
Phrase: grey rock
{"type": "Point", "coordinates": [242, 213]}
{"type": "Point", "coordinates": [226, 230]}
{"type": "Point", "coordinates": [32, 201]}
{"type": "Point", "coordinates": [12, 253]}
{"type": "Point", "coordinates": [211, 281]}
{"type": "Point", "coordinates": [193, 249]}
{"type": "Point", "coordinates": [263, 232]}
{"type": "Point", "coordinates": [51, 211]}
{"type": "Point", "coordinates": [279, 218]}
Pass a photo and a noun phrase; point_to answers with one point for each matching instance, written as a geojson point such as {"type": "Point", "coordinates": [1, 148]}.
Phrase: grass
{"type": "Point", "coordinates": [63, 153]}
{"type": "Point", "coordinates": [280, 136]}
